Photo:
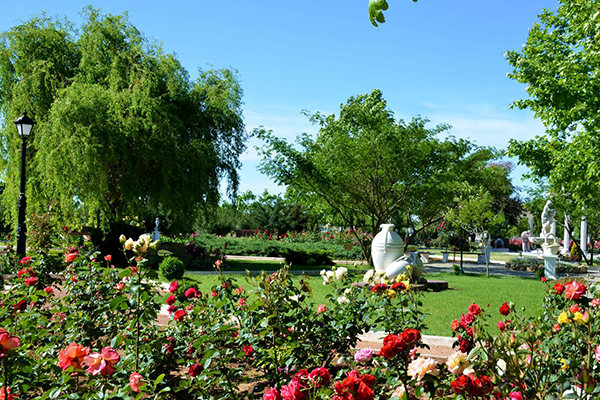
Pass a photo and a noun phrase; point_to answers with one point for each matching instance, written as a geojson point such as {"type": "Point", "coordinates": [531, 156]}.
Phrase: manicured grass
{"type": "Point", "coordinates": [443, 307]}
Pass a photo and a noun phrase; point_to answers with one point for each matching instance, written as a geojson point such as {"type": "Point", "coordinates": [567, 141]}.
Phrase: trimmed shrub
{"type": "Point", "coordinates": [171, 268]}
{"type": "Point", "coordinates": [308, 257]}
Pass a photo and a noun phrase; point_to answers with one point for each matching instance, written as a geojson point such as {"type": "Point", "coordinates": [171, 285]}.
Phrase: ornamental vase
{"type": "Point", "coordinates": [387, 246]}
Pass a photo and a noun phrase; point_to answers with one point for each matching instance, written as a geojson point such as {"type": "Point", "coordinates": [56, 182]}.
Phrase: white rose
{"type": "Point", "coordinates": [341, 273]}
{"type": "Point", "coordinates": [368, 276]}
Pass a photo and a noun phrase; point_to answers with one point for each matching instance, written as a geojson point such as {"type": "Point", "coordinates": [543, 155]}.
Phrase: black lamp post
{"type": "Point", "coordinates": [24, 125]}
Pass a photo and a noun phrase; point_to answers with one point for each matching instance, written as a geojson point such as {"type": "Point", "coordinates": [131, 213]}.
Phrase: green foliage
{"type": "Point", "coordinates": [366, 168]}
{"type": "Point", "coordinates": [250, 246]}
{"type": "Point", "coordinates": [307, 257]}
{"type": "Point", "coordinates": [121, 129]}
{"type": "Point", "coordinates": [456, 269]}
{"type": "Point", "coordinates": [171, 268]}
{"type": "Point", "coordinates": [559, 64]}
{"type": "Point", "coordinates": [268, 211]}
{"type": "Point", "coordinates": [376, 9]}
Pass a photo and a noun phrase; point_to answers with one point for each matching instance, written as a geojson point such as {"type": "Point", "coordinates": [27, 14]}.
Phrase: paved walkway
{"type": "Point", "coordinates": [434, 265]}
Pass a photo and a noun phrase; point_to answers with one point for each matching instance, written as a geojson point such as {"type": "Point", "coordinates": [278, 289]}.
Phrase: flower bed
{"type": "Point", "coordinates": [99, 339]}
{"type": "Point", "coordinates": [532, 265]}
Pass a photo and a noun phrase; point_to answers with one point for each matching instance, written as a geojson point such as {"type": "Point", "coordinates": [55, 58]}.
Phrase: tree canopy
{"type": "Point", "coordinates": [121, 128]}
{"type": "Point", "coordinates": [560, 64]}
{"type": "Point", "coordinates": [368, 168]}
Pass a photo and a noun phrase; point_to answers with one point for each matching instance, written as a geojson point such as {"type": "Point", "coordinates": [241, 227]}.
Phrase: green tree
{"type": "Point", "coordinates": [121, 128]}
{"type": "Point", "coordinates": [474, 212]}
{"type": "Point", "coordinates": [367, 168]}
{"type": "Point", "coordinates": [560, 64]}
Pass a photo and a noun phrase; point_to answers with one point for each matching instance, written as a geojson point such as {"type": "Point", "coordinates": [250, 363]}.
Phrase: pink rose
{"type": "Point", "coordinates": [293, 391]}
{"type": "Point", "coordinates": [597, 353]}
{"type": "Point", "coordinates": [516, 396]}
{"type": "Point", "coordinates": [574, 290]}
{"type": "Point", "coordinates": [102, 363]}
{"type": "Point", "coordinates": [363, 355]}
{"type": "Point", "coordinates": [501, 326]}
{"type": "Point", "coordinates": [135, 381]}
{"type": "Point", "coordinates": [271, 394]}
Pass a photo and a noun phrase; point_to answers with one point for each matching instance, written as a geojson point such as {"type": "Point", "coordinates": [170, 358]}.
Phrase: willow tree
{"type": "Point", "coordinates": [121, 128]}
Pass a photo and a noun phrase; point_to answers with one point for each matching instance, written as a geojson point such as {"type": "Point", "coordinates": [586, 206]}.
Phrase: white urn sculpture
{"type": "Point", "coordinates": [387, 247]}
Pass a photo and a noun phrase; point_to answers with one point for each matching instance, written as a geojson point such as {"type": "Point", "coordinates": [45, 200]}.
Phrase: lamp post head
{"type": "Point", "coordinates": [24, 125]}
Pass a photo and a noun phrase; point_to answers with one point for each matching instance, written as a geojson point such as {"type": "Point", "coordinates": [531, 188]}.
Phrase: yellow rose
{"type": "Point", "coordinates": [128, 244]}
{"type": "Point", "coordinates": [578, 318]}
{"type": "Point", "coordinates": [564, 318]}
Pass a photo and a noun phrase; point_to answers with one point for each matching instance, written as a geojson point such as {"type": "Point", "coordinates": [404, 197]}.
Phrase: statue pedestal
{"type": "Point", "coordinates": [550, 266]}
{"type": "Point", "coordinates": [445, 256]}
{"type": "Point", "coordinates": [550, 258]}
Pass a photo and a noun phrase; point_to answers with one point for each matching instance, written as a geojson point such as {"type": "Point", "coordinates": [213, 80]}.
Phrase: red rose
{"type": "Point", "coordinates": [248, 350]}
{"type": "Point", "coordinates": [108, 258]}
{"type": "Point", "coordinates": [172, 309]}
{"type": "Point", "coordinates": [574, 308]}
{"type": "Point", "coordinates": [179, 315]}
{"type": "Point", "coordinates": [559, 288]}
{"type": "Point", "coordinates": [474, 309]}
{"type": "Point", "coordinates": [466, 345]}
{"type": "Point", "coordinates": [466, 320]}
{"type": "Point", "coordinates": [411, 336]}
{"type": "Point", "coordinates": [380, 287]}
{"type": "Point", "coordinates": [173, 287]}
{"type": "Point", "coordinates": [501, 326]}
{"type": "Point", "coordinates": [399, 286]}
{"type": "Point", "coordinates": [191, 293]}
{"type": "Point", "coordinates": [70, 257]}
{"type": "Point", "coordinates": [195, 369]}
{"type": "Point", "coordinates": [25, 261]}
{"type": "Point", "coordinates": [171, 300]}
{"type": "Point", "coordinates": [20, 306]}
{"type": "Point", "coordinates": [31, 281]}
{"type": "Point", "coordinates": [460, 384]}
{"type": "Point", "coordinates": [319, 377]}
{"type": "Point", "coordinates": [574, 290]}
{"type": "Point", "coordinates": [505, 309]}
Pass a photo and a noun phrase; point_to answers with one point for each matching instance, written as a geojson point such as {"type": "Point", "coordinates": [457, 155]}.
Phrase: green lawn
{"type": "Point", "coordinates": [441, 307]}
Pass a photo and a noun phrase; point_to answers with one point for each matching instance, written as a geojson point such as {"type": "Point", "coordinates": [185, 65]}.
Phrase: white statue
{"type": "Point", "coordinates": [547, 219]}
{"type": "Point", "coordinates": [156, 233]}
{"type": "Point", "coordinates": [525, 238]}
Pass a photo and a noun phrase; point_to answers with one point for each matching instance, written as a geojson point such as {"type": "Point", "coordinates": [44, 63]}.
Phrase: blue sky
{"type": "Point", "coordinates": [440, 59]}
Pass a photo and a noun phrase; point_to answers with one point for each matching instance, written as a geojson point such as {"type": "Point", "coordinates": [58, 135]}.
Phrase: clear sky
{"type": "Point", "coordinates": [440, 59]}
